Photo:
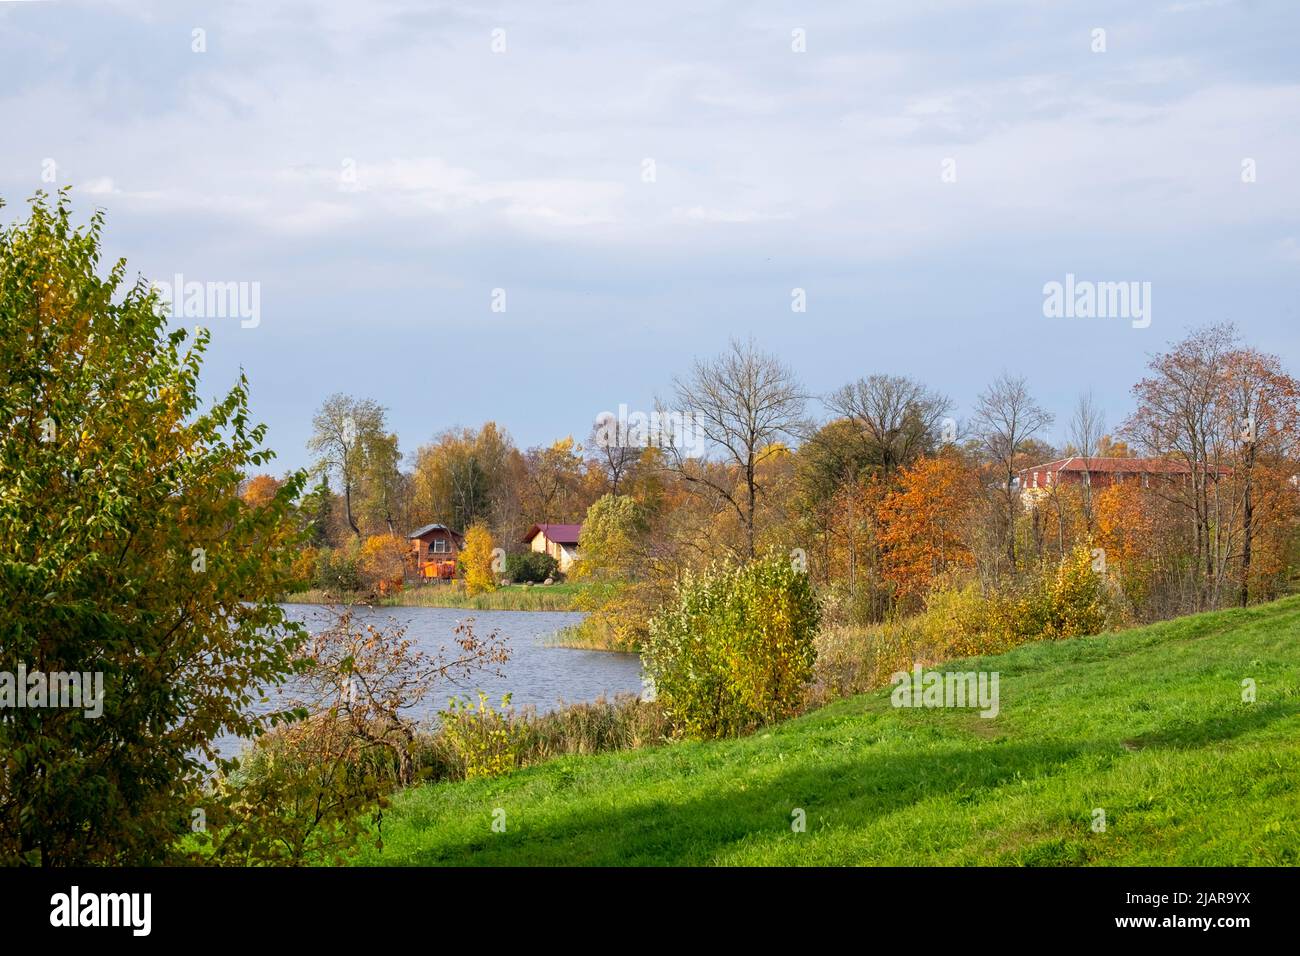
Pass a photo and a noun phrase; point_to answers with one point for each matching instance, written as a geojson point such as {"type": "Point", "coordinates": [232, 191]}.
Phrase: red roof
{"type": "Point", "coordinates": [1128, 466]}
{"type": "Point", "coordinates": [559, 533]}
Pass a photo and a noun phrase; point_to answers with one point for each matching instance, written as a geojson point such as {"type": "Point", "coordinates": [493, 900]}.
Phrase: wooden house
{"type": "Point", "coordinates": [434, 549]}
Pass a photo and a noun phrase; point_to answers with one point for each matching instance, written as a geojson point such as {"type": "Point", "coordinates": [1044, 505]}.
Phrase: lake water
{"type": "Point", "coordinates": [536, 675]}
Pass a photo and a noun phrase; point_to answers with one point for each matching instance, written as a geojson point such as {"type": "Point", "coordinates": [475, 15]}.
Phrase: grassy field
{"type": "Point", "coordinates": [1148, 725]}
{"type": "Point", "coordinates": [513, 597]}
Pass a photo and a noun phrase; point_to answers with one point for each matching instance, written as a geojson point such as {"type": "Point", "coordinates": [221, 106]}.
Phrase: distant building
{"type": "Point", "coordinates": [1094, 472]}
{"type": "Point", "coordinates": [434, 549]}
{"type": "Point", "coordinates": [560, 541]}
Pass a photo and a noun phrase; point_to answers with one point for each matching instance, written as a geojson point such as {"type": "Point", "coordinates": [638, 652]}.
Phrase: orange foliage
{"type": "Point", "coordinates": [1125, 518]}
{"type": "Point", "coordinates": [260, 490]}
{"type": "Point", "coordinates": [923, 523]}
{"type": "Point", "coordinates": [383, 562]}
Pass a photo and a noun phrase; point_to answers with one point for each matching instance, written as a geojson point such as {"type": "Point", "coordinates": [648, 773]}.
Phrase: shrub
{"type": "Point", "coordinates": [618, 614]}
{"type": "Point", "coordinates": [864, 602]}
{"type": "Point", "coordinates": [1077, 599]}
{"type": "Point", "coordinates": [1067, 599]}
{"type": "Point", "coordinates": [486, 741]}
{"type": "Point", "coordinates": [736, 649]}
{"type": "Point", "coordinates": [303, 792]}
{"type": "Point", "coordinates": [530, 566]}
{"type": "Point", "coordinates": [306, 569]}
{"type": "Point", "coordinates": [338, 571]}
{"type": "Point", "coordinates": [382, 563]}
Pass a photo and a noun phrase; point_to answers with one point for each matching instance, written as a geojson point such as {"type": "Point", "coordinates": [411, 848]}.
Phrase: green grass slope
{"type": "Point", "coordinates": [1148, 725]}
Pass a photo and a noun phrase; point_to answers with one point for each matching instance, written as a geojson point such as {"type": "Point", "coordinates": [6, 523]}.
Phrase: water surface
{"type": "Point", "coordinates": [536, 675]}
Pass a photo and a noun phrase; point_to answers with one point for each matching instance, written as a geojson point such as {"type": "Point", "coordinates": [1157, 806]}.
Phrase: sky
{"type": "Point", "coordinates": [638, 184]}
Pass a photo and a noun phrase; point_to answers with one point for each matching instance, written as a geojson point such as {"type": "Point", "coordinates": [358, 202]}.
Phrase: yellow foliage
{"type": "Point", "coordinates": [476, 559]}
{"type": "Point", "coordinates": [383, 561]}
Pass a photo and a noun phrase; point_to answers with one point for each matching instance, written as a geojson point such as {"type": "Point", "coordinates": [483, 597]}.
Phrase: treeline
{"type": "Point", "coordinates": [882, 498]}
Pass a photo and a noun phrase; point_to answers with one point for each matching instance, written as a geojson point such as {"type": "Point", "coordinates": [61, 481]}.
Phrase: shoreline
{"type": "Point", "coordinates": [512, 597]}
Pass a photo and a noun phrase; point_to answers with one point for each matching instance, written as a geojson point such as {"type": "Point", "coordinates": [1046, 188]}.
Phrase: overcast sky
{"type": "Point", "coordinates": [646, 181]}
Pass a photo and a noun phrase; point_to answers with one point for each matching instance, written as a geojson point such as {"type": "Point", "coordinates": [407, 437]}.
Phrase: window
{"type": "Point", "coordinates": [439, 546]}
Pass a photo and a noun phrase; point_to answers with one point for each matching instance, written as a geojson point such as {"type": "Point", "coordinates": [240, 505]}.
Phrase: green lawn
{"type": "Point", "coordinates": [1147, 724]}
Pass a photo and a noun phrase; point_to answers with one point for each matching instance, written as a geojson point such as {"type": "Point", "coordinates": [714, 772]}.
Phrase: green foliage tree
{"type": "Point", "coordinates": [610, 541]}
{"type": "Point", "coordinates": [126, 552]}
{"type": "Point", "coordinates": [314, 511]}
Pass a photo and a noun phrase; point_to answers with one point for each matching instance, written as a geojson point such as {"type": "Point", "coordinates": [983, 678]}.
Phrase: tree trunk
{"type": "Point", "coordinates": [1247, 529]}
{"type": "Point", "coordinates": [749, 516]}
{"type": "Point", "coordinates": [1011, 521]}
{"type": "Point", "coordinates": [347, 504]}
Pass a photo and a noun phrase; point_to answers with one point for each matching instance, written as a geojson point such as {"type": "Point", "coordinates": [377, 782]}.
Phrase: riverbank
{"type": "Point", "coordinates": [1134, 748]}
{"type": "Point", "coordinates": [594, 633]}
{"type": "Point", "coordinates": [512, 597]}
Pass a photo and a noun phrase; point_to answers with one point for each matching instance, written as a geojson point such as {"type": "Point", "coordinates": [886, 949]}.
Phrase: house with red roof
{"type": "Point", "coordinates": [1096, 472]}
{"type": "Point", "coordinates": [560, 541]}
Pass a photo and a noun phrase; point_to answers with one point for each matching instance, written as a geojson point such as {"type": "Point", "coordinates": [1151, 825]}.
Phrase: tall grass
{"type": "Point", "coordinates": [510, 740]}
{"type": "Point", "coordinates": [595, 632]}
{"type": "Point", "coordinates": [513, 597]}
{"type": "Point", "coordinates": [522, 737]}
{"type": "Point", "coordinates": [961, 621]}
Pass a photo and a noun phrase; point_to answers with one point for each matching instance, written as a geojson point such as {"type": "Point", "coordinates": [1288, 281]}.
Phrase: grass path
{"type": "Point", "coordinates": [1148, 725]}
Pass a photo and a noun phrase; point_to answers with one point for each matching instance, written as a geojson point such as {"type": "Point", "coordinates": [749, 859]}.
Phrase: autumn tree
{"type": "Point", "coordinates": [383, 562]}
{"type": "Point", "coordinates": [344, 429]}
{"type": "Point", "coordinates": [478, 560]}
{"type": "Point", "coordinates": [832, 467]}
{"type": "Point", "coordinates": [1126, 530]}
{"type": "Point", "coordinates": [611, 543]}
{"type": "Point", "coordinates": [127, 556]}
{"type": "Point", "coordinates": [260, 490]}
{"type": "Point", "coordinates": [1263, 402]}
{"type": "Point", "coordinates": [554, 486]}
{"type": "Point", "coordinates": [895, 419]}
{"type": "Point", "coordinates": [314, 509]}
{"type": "Point", "coordinates": [1180, 416]}
{"type": "Point", "coordinates": [923, 524]}
{"type": "Point", "coordinates": [465, 476]}
{"type": "Point", "coordinates": [744, 403]}
{"type": "Point", "coordinates": [384, 488]}
{"type": "Point", "coordinates": [613, 451]}
{"type": "Point", "coordinates": [1086, 428]}
{"type": "Point", "coordinates": [1006, 419]}
{"type": "Point", "coordinates": [1108, 446]}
